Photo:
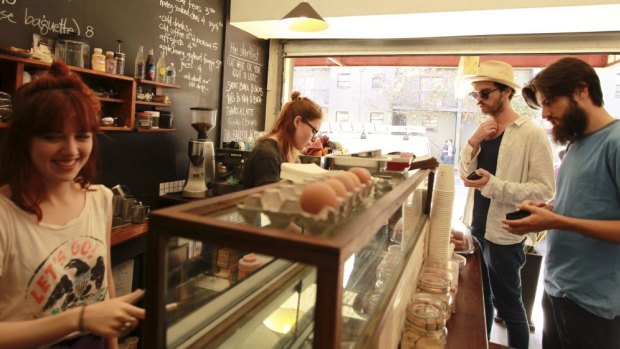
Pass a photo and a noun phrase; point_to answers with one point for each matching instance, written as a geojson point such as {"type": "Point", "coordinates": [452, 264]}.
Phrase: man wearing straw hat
{"type": "Point", "coordinates": [513, 159]}
{"type": "Point", "coordinates": [581, 303]}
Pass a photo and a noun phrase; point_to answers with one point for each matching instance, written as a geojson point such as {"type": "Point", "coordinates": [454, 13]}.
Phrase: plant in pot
{"type": "Point", "coordinates": [531, 272]}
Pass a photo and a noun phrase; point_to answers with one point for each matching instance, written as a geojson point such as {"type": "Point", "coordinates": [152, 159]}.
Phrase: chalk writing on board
{"type": "Point", "coordinates": [243, 93]}
{"type": "Point", "coordinates": [198, 56]}
{"type": "Point", "coordinates": [7, 14]}
{"type": "Point", "coordinates": [43, 23]}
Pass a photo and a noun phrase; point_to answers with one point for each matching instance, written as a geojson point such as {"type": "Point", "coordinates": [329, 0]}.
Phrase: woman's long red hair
{"type": "Point", "coordinates": [42, 106]}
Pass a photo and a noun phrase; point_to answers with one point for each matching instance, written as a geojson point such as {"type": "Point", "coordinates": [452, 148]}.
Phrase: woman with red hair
{"type": "Point", "coordinates": [298, 123]}
{"type": "Point", "coordinates": [56, 284]}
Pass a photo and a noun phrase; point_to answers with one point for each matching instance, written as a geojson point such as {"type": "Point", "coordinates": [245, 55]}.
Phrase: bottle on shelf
{"type": "Point", "coordinates": [171, 74]}
{"type": "Point", "coordinates": [98, 60]}
{"type": "Point", "coordinates": [110, 62]}
{"type": "Point", "coordinates": [149, 66]}
{"type": "Point", "coordinates": [161, 68]}
{"type": "Point", "coordinates": [120, 59]}
{"type": "Point", "coordinates": [139, 65]}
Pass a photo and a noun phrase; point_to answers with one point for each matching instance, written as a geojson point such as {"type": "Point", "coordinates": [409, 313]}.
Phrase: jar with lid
{"type": "Point", "coordinates": [120, 63]}
{"type": "Point", "coordinates": [437, 287]}
{"type": "Point", "coordinates": [425, 327]}
{"type": "Point", "coordinates": [98, 60]}
{"type": "Point", "coordinates": [110, 62]}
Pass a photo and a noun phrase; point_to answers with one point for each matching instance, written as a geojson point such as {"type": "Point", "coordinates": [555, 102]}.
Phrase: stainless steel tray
{"type": "Point", "coordinates": [341, 162]}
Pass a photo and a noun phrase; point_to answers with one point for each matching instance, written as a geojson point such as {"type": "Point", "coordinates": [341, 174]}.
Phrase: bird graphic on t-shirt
{"type": "Point", "coordinates": [79, 286]}
{"type": "Point", "coordinates": [62, 287]}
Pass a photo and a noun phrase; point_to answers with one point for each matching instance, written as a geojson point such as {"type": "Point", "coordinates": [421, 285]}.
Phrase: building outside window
{"type": "Point", "coordinates": [344, 80]}
{"type": "Point", "coordinates": [342, 116]}
{"type": "Point", "coordinates": [377, 117]}
{"type": "Point", "coordinates": [377, 81]}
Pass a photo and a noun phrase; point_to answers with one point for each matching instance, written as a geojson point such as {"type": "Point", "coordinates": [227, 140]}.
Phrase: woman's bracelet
{"type": "Point", "coordinates": [81, 319]}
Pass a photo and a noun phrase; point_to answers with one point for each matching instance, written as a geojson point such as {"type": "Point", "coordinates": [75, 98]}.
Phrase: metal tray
{"type": "Point", "coordinates": [374, 165]}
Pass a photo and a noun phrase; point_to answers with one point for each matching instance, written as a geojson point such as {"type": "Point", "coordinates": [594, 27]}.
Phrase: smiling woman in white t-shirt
{"type": "Point", "coordinates": [55, 275]}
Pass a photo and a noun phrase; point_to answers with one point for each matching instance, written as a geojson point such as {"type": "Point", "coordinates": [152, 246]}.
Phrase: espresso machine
{"type": "Point", "coordinates": [229, 161]}
{"type": "Point", "coordinates": [201, 154]}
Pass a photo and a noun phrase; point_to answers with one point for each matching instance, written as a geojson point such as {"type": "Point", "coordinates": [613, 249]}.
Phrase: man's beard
{"type": "Point", "coordinates": [572, 125]}
{"type": "Point", "coordinates": [494, 109]}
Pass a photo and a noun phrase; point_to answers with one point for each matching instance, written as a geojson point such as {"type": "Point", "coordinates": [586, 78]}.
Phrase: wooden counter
{"type": "Point", "coordinates": [467, 327]}
{"type": "Point", "coordinates": [128, 231]}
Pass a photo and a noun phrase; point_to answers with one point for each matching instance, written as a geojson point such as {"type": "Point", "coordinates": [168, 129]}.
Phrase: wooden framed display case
{"type": "Point", "coordinates": [314, 290]}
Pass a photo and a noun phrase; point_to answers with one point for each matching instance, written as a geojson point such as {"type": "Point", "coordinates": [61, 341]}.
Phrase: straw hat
{"type": "Point", "coordinates": [495, 71]}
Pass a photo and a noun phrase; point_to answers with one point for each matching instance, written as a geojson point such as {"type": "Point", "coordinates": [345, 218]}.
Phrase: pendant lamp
{"type": "Point", "coordinates": [303, 18]}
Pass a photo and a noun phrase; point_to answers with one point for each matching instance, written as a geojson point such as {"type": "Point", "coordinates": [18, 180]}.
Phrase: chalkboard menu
{"type": "Point", "coordinates": [190, 33]}
{"type": "Point", "coordinates": [243, 89]}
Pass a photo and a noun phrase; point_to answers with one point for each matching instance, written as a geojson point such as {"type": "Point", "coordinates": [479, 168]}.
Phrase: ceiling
{"type": "Point", "coordinates": [397, 19]}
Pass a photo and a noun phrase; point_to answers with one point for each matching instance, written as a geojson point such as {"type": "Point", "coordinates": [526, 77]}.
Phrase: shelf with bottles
{"type": "Point", "coordinates": [115, 92]}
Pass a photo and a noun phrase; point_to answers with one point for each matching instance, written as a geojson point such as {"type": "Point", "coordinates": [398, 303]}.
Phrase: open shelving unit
{"type": "Point", "coordinates": [122, 104]}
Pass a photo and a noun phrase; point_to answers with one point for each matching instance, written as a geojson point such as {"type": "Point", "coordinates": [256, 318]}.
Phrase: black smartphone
{"type": "Point", "coordinates": [519, 214]}
{"type": "Point", "coordinates": [474, 176]}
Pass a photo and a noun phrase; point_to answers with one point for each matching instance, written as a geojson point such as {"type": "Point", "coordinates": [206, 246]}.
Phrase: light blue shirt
{"type": "Point", "coordinates": [584, 269]}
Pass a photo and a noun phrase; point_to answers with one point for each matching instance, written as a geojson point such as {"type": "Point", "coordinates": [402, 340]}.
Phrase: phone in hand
{"type": "Point", "coordinates": [519, 214]}
{"type": "Point", "coordinates": [474, 176]}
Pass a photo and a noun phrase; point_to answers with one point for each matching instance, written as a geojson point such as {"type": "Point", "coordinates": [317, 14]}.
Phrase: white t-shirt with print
{"type": "Point", "coordinates": [46, 269]}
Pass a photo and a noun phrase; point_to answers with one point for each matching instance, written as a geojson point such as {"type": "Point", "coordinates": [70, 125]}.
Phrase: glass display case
{"type": "Point", "coordinates": [219, 278]}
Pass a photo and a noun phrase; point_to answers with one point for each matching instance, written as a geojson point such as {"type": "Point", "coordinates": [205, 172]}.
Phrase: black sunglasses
{"type": "Point", "coordinates": [314, 130]}
{"type": "Point", "coordinates": [484, 94]}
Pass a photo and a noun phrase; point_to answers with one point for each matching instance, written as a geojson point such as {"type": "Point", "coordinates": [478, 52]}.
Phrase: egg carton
{"type": "Point", "coordinates": [281, 205]}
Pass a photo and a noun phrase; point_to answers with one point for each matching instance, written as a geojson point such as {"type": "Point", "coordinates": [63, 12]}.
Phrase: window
{"type": "Point", "coordinates": [399, 118]}
{"type": "Point", "coordinates": [377, 81]}
{"type": "Point", "coordinates": [342, 116]}
{"type": "Point", "coordinates": [376, 117]}
{"type": "Point", "coordinates": [344, 80]}
{"type": "Point", "coordinates": [430, 121]}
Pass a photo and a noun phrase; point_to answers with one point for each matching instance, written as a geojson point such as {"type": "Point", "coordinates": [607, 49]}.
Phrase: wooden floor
{"type": "Point", "coordinates": [498, 332]}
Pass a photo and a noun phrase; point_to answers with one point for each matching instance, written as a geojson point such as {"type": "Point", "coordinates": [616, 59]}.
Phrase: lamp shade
{"type": "Point", "coordinates": [303, 18]}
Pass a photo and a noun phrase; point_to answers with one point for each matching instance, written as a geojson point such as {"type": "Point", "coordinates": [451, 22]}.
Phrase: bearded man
{"type": "Point", "coordinates": [513, 157]}
{"type": "Point", "coordinates": [581, 303]}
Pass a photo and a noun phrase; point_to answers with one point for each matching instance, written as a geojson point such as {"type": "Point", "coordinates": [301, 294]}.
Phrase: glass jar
{"type": "Point", "coordinates": [438, 287]}
{"type": "Point", "coordinates": [110, 62]}
{"type": "Point", "coordinates": [388, 265]}
{"type": "Point", "coordinates": [425, 327]}
{"type": "Point", "coordinates": [120, 63]}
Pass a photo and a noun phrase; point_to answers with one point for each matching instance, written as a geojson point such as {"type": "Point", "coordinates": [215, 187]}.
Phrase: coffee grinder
{"type": "Point", "coordinates": [201, 153]}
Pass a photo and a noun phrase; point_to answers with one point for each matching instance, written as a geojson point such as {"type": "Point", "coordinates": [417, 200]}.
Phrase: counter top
{"type": "Point", "coordinates": [467, 327]}
{"type": "Point", "coordinates": [129, 231]}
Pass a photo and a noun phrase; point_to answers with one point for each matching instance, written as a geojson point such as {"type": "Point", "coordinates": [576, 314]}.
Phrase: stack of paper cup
{"type": "Point", "coordinates": [412, 212]}
{"type": "Point", "coordinates": [441, 213]}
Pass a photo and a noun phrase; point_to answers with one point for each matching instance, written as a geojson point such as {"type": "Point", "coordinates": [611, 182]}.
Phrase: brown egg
{"type": "Point", "coordinates": [338, 187]}
{"type": "Point", "coordinates": [354, 178]}
{"type": "Point", "coordinates": [346, 180]}
{"type": "Point", "coordinates": [361, 173]}
{"type": "Point", "coordinates": [315, 196]}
